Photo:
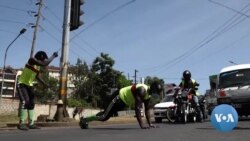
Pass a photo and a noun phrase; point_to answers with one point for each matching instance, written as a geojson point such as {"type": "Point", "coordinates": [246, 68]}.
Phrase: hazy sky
{"type": "Point", "coordinates": [156, 37]}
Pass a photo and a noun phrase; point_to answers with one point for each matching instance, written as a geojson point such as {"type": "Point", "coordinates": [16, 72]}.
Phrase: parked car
{"type": "Point", "coordinates": [161, 108]}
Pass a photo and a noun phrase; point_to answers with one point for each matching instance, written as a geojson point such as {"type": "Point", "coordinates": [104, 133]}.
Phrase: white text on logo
{"type": "Point", "coordinates": [226, 118]}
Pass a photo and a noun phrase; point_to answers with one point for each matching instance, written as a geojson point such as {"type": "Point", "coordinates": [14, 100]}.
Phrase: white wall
{"type": "Point", "coordinates": [10, 106]}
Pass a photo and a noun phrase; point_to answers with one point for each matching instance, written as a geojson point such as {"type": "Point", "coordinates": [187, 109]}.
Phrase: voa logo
{"type": "Point", "coordinates": [224, 118]}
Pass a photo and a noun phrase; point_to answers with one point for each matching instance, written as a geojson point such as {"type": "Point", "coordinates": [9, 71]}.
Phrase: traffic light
{"type": "Point", "coordinates": [75, 14]}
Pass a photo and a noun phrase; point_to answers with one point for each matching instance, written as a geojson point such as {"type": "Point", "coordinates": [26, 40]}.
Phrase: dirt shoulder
{"type": "Point", "coordinates": [71, 123]}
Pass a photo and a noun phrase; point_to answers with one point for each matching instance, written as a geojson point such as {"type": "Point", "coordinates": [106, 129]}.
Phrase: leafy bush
{"type": "Point", "coordinates": [73, 102]}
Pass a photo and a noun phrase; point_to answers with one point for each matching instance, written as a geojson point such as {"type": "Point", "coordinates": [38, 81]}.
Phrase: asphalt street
{"type": "Point", "coordinates": [131, 132]}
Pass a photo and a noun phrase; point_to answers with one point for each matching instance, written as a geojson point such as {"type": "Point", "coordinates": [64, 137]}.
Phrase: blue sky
{"type": "Point", "coordinates": [156, 37]}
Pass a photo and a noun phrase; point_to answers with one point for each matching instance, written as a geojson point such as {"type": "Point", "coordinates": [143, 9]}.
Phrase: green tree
{"type": "Point", "coordinates": [94, 85]}
{"type": "Point", "coordinates": [84, 92]}
{"type": "Point", "coordinates": [106, 78]}
{"type": "Point", "coordinates": [79, 77]}
{"type": "Point", "coordinates": [49, 94]}
{"type": "Point", "coordinates": [149, 80]}
{"type": "Point", "coordinates": [122, 81]}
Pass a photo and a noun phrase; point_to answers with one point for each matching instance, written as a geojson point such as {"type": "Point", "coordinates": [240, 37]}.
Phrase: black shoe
{"type": "Point", "coordinates": [34, 127]}
{"type": "Point", "coordinates": [83, 123]}
{"type": "Point", "coordinates": [22, 127]}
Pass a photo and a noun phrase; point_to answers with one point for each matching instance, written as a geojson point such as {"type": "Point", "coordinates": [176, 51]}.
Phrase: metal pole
{"type": "Point", "coordinates": [143, 107]}
{"type": "Point", "coordinates": [135, 75]}
{"type": "Point", "coordinates": [36, 27]}
{"type": "Point", "coordinates": [5, 56]}
{"type": "Point", "coordinates": [64, 63]}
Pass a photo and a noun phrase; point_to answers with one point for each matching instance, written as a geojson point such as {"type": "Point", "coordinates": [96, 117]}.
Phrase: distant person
{"type": "Point", "coordinates": [189, 83]}
{"type": "Point", "coordinates": [132, 96]}
{"type": "Point", "coordinates": [26, 93]}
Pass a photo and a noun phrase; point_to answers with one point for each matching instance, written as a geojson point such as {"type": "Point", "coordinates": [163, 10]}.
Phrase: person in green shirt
{"type": "Point", "coordinates": [131, 96]}
{"type": "Point", "coordinates": [25, 87]}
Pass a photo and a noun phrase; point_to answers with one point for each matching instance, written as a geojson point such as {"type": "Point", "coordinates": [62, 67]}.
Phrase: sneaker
{"type": "Point", "coordinates": [34, 127]}
{"type": "Point", "coordinates": [22, 127]}
{"type": "Point", "coordinates": [83, 123]}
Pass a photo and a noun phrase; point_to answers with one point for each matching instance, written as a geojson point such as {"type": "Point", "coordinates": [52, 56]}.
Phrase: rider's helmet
{"type": "Point", "coordinates": [41, 55]}
{"type": "Point", "coordinates": [186, 75]}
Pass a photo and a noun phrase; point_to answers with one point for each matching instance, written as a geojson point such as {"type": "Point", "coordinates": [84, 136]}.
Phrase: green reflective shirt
{"type": "Point", "coordinates": [29, 74]}
{"type": "Point", "coordinates": [127, 97]}
{"type": "Point", "coordinates": [193, 85]}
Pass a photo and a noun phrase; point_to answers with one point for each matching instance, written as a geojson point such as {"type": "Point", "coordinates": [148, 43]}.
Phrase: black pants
{"type": "Point", "coordinates": [26, 95]}
{"type": "Point", "coordinates": [114, 106]}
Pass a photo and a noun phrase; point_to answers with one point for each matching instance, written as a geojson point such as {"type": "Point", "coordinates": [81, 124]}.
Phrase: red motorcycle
{"type": "Point", "coordinates": [184, 111]}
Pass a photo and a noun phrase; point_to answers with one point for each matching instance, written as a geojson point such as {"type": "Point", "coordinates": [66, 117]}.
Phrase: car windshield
{"type": "Point", "coordinates": [167, 98]}
{"type": "Point", "coordinates": [234, 78]}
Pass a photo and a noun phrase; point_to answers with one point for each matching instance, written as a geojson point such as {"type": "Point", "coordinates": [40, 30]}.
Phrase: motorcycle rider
{"type": "Point", "coordinates": [189, 83]}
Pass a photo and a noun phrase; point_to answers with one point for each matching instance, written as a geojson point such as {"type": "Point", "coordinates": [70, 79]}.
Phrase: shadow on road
{"type": "Point", "coordinates": [109, 128]}
{"type": "Point", "coordinates": [244, 119]}
{"type": "Point", "coordinates": [205, 128]}
{"type": "Point", "coordinates": [236, 128]}
{"type": "Point", "coordinates": [242, 128]}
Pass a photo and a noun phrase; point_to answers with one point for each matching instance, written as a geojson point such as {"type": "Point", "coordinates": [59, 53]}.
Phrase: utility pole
{"type": "Point", "coordinates": [61, 105]}
{"type": "Point", "coordinates": [135, 75]}
{"type": "Point", "coordinates": [40, 3]}
{"type": "Point", "coordinates": [143, 106]}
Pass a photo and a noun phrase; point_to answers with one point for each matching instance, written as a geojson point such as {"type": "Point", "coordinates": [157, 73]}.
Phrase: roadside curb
{"type": "Point", "coordinates": [116, 120]}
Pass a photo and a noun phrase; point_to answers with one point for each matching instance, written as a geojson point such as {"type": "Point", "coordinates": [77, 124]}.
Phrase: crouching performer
{"type": "Point", "coordinates": [131, 96]}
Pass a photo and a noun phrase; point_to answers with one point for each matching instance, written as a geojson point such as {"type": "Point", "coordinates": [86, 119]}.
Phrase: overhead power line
{"type": "Point", "coordinates": [230, 8]}
{"type": "Point", "coordinates": [78, 45]}
{"type": "Point", "coordinates": [229, 24]}
{"type": "Point", "coordinates": [12, 8]}
{"type": "Point", "coordinates": [103, 17]}
{"type": "Point", "coordinates": [77, 35]}
{"type": "Point", "coordinates": [99, 20]}
{"type": "Point", "coordinates": [11, 21]}
{"type": "Point", "coordinates": [57, 17]}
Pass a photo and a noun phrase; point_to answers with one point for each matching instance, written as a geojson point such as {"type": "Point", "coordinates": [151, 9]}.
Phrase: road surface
{"type": "Point", "coordinates": [131, 132]}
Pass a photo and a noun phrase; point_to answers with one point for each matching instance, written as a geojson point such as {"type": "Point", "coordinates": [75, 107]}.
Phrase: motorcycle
{"type": "Point", "coordinates": [184, 110]}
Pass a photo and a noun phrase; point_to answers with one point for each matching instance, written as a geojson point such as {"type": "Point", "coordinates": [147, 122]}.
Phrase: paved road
{"type": "Point", "coordinates": [131, 132]}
